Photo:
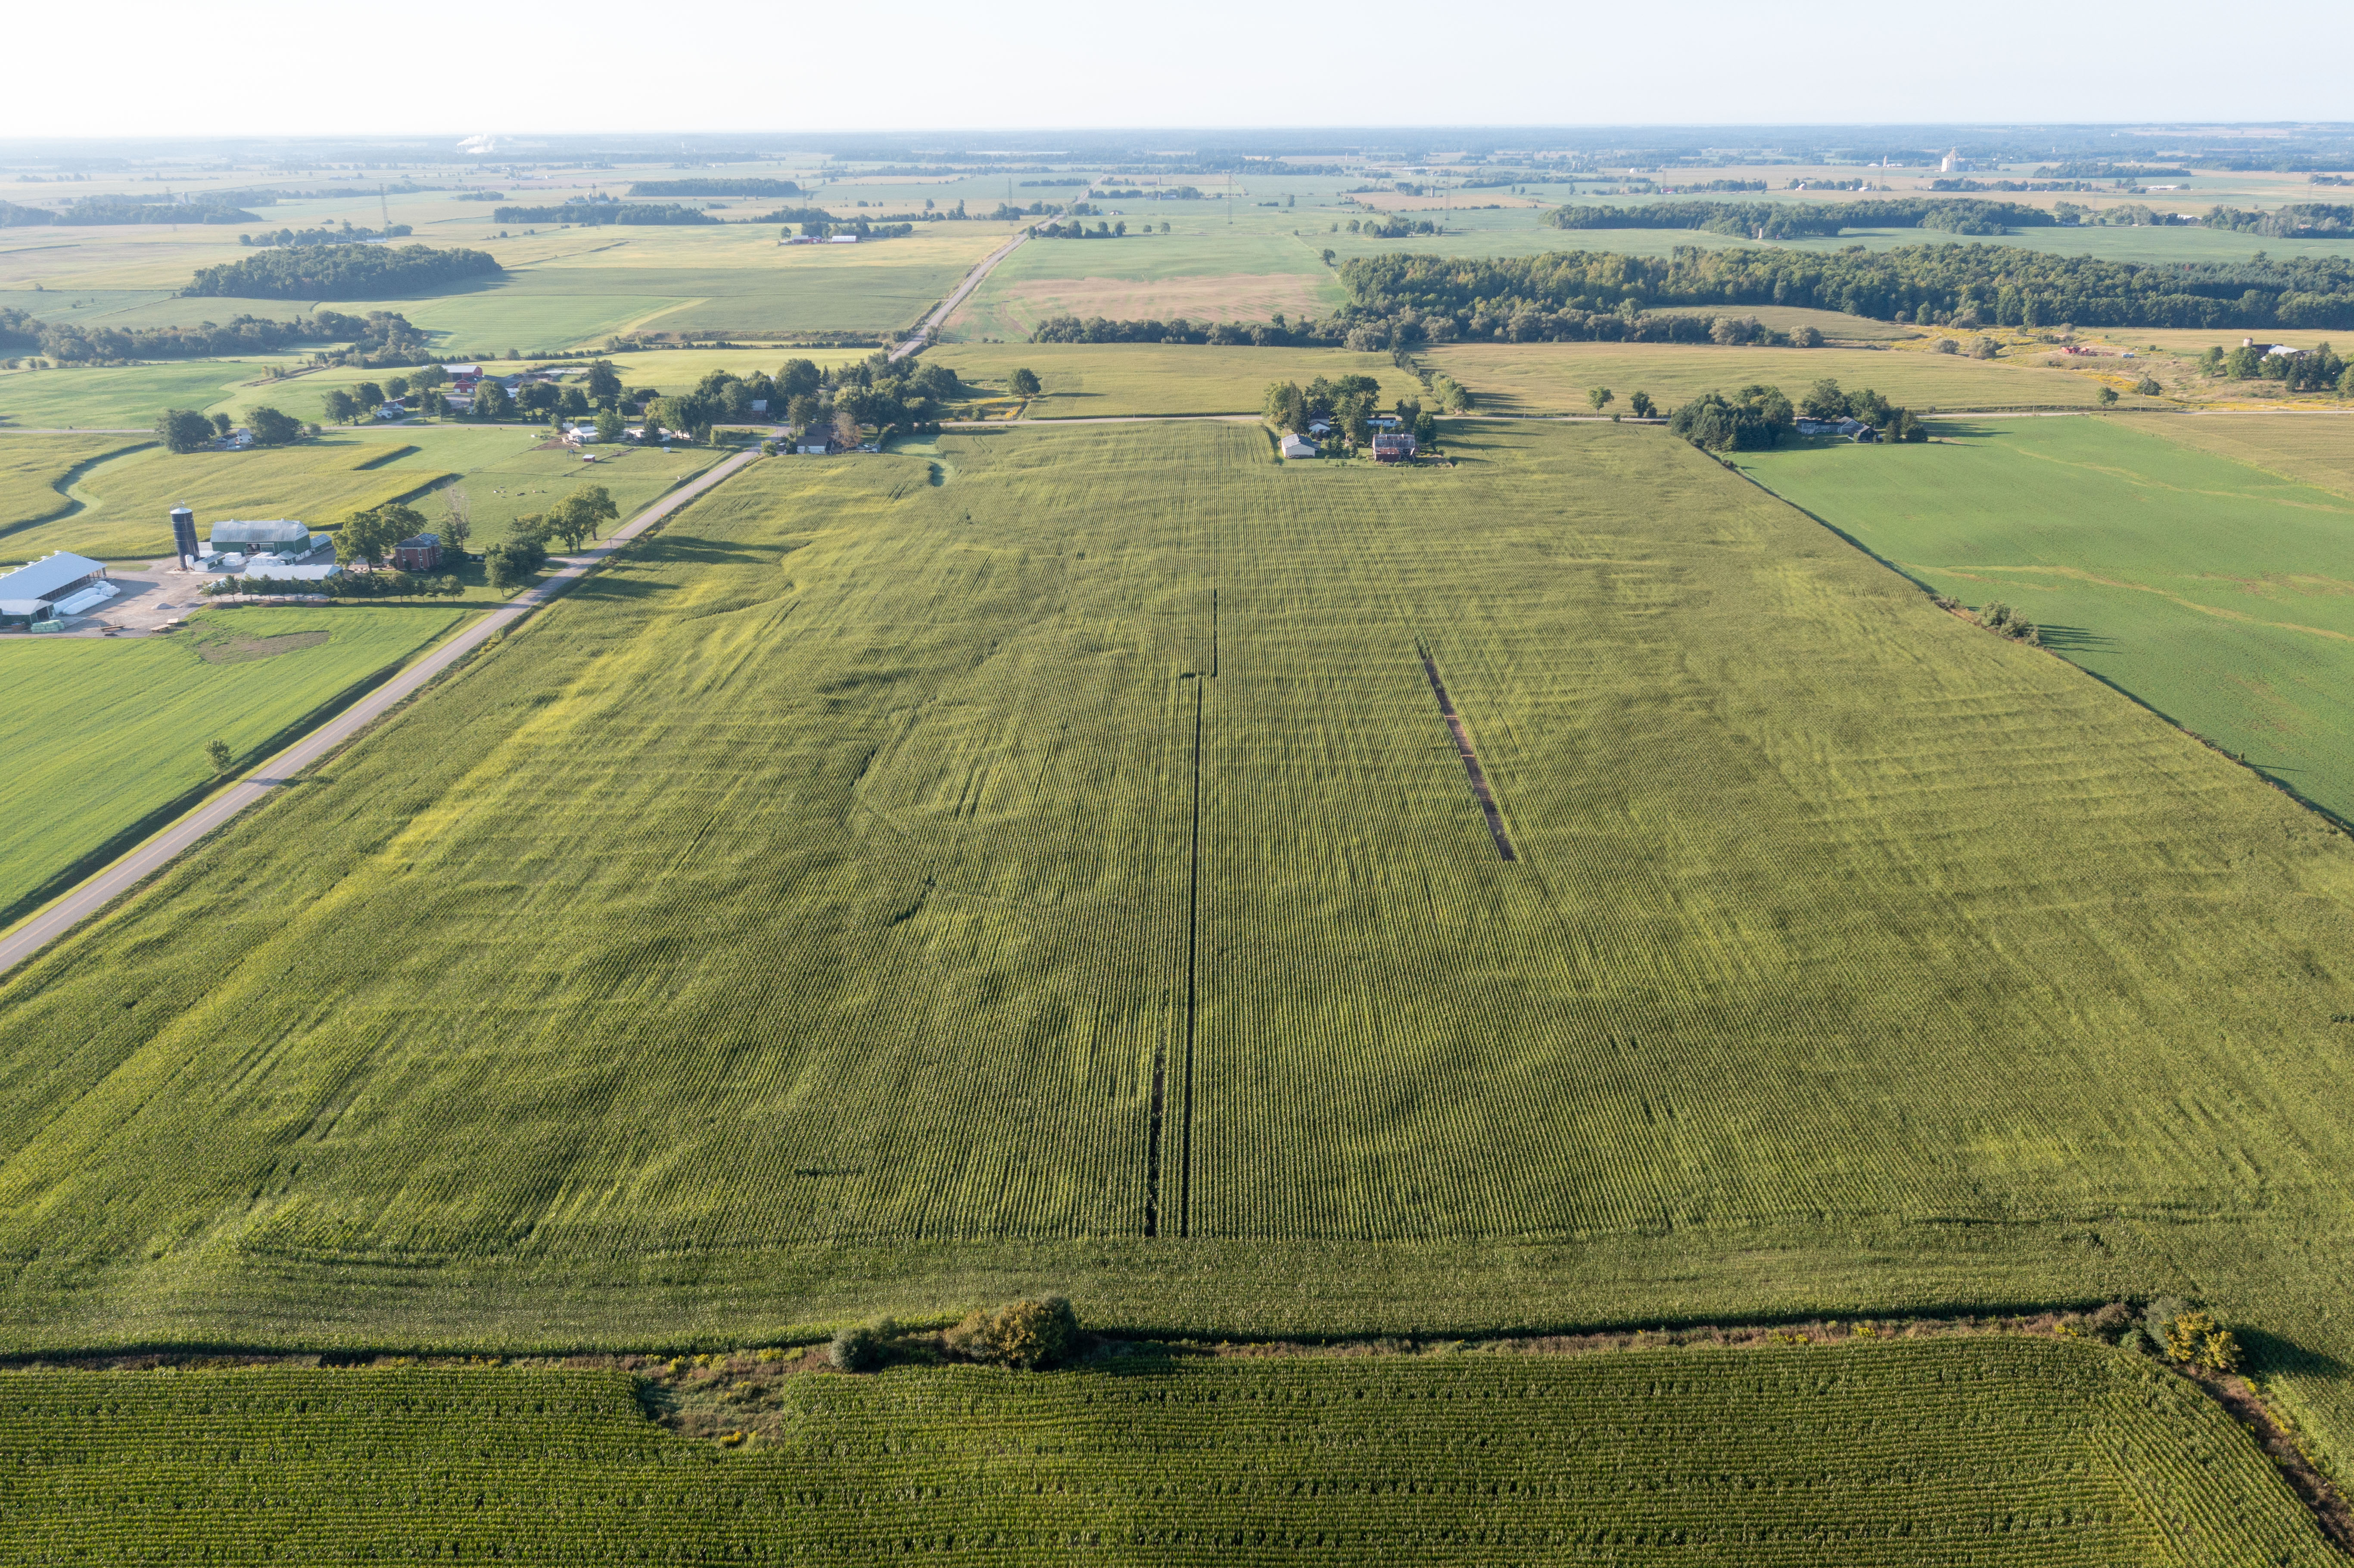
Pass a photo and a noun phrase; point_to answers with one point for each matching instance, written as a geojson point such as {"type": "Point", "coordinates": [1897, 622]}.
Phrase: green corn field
{"type": "Point", "coordinates": [1985, 1452]}
{"type": "Point", "coordinates": [1040, 861]}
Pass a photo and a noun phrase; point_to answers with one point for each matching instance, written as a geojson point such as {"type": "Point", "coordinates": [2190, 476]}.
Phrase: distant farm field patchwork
{"type": "Point", "coordinates": [100, 734]}
{"type": "Point", "coordinates": [1015, 309]}
{"type": "Point", "coordinates": [1206, 275]}
{"type": "Point", "coordinates": [2221, 595]}
{"type": "Point", "coordinates": [1553, 377]}
{"type": "Point", "coordinates": [1084, 380]}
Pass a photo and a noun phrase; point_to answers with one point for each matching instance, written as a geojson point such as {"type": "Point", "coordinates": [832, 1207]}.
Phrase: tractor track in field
{"type": "Point", "coordinates": [1156, 1135]}
{"type": "Point", "coordinates": [1478, 777]}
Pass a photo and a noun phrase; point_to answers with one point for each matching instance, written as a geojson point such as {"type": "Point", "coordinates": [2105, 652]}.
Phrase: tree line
{"type": "Point", "coordinates": [378, 337]}
{"type": "Point", "coordinates": [715, 187]}
{"type": "Point", "coordinates": [1794, 220]}
{"type": "Point", "coordinates": [113, 209]}
{"type": "Point", "coordinates": [341, 272]}
{"type": "Point", "coordinates": [1412, 299]}
{"type": "Point", "coordinates": [2298, 220]}
{"type": "Point", "coordinates": [347, 235]}
{"type": "Point", "coordinates": [589, 211]}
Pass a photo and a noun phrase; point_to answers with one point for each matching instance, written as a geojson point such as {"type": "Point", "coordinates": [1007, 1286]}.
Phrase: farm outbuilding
{"type": "Point", "coordinates": [1393, 446]}
{"type": "Point", "coordinates": [1299, 447]}
{"type": "Point", "coordinates": [58, 585]}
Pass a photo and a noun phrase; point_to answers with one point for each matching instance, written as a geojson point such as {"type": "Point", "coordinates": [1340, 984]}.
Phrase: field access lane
{"type": "Point", "coordinates": [88, 897]}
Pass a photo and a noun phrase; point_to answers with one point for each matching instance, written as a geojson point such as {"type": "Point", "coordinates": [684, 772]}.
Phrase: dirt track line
{"type": "Point", "coordinates": [1470, 760]}
{"type": "Point", "coordinates": [932, 323]}
{"type": "Point", "coordinates": [95, 893]}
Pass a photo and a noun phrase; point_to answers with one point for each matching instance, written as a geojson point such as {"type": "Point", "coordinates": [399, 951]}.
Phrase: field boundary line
{"type": "Point", "coordinates": [937, 320]}
{"type": "Point", "coordinates": [126, 874]}
{"type": "Point", "coordinates": [2137, 699]}
{"type": "Point", "coordinates": [63, 485]}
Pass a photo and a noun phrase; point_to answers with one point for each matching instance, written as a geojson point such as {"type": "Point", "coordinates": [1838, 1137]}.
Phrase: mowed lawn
{"type": "Point", "coordinates": [1554, 378]}
{"type": "Point", "coordinates": [102, 736]}
{"type": "Point", "coordinates": [35, 471]}
{"type": "Point", "coordinates": [1085, 380]}
{"type": "Point", "coordinates": [2220, 594]}
{"type": "Point", "coordinates": [506, 484]}
{"type": "Point", "coordinates": [2009, 1453]}
{"type": "Point", "coordinates": [805, 917]}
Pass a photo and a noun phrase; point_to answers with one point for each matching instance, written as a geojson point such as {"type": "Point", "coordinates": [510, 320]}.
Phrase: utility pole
{"type": "Point", "coordinates": [383, 206]}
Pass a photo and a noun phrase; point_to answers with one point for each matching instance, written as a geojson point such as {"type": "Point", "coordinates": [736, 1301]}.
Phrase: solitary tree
{"type": "Point", "coordinates": [457, 517]}
{"type": "Point", "coordinates": [184, 429]}
{"type": "Point", "coordinates": [1642, 405]}
{"type": "Point", "coordinates": [216, 753]}
{"type": "Point", "coordinates": [579, 515]}
{"type": "Point", "coordinates": [1026, 383]}
{"type": "Point", "coordinates": [1599, 397]}
{"type": "Point", "coordinates": [2108, 396]}
{"type": "Point", "coordinates": [272, 428]}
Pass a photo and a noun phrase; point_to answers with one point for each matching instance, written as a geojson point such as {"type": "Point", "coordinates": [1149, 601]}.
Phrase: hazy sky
{"type": "Point", "coordinates": [153, 66]}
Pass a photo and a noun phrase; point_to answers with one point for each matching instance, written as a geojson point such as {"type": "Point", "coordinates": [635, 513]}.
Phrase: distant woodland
{"type": "Point", "coordinates": [341, 272]}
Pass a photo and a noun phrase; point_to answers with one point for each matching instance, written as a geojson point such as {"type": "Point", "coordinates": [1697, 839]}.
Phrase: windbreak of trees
{"type": "Point", "coordinates": [2299, 220]}
{"type": "Point", "coordinates": [341, 272]}
{"type": "Point", "coordinates": [347, 235]}
{"type": "Point", "coordinates": [716, 187]}
{"type": "Point", "coordinates": [584, 210]}
{"type": "Point", "coordinates": [1525, 299]}
{"type": "Point", "coordinates": [381, 337]}
{"type": "Point", "coordinates": [1793, 220]}
{"type": "Point", "coordinates": [859, 226]}
{"type": "Point", "coordinates": [109, 209]}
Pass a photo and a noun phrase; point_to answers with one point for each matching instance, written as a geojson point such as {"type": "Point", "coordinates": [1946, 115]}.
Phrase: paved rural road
{"type": "Point", "coordinates": [938, 318]}
{"type": "Point", "coordinates": [88, 897]}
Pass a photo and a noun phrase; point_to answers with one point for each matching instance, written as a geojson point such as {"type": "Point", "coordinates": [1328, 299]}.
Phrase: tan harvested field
{"type": "Point", "coordinates": [1835, 325]}
{"type": "Point", "coordinates": [2313, 448]}
{"type": "Point", "coordinates": [1227, 297]}
{"type": "Point", "coordinates": [1553, 377]}
{"type": "Point", "coordinates": [1095, 380]}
